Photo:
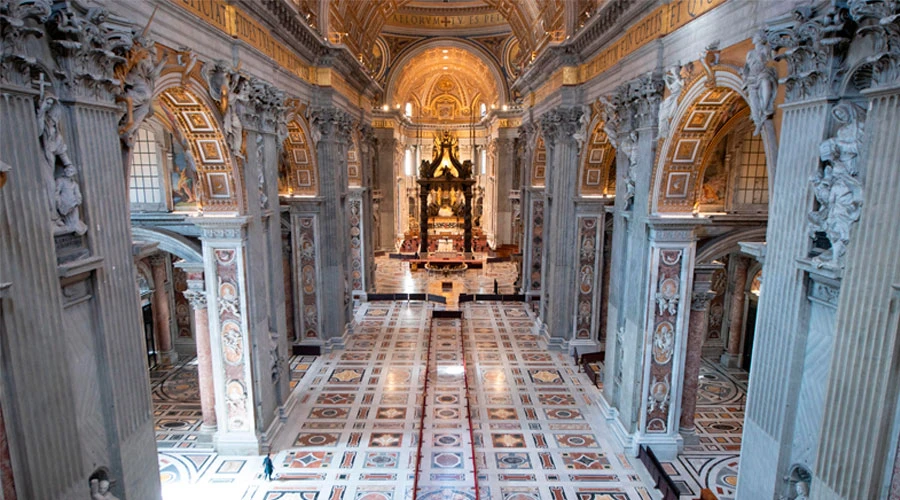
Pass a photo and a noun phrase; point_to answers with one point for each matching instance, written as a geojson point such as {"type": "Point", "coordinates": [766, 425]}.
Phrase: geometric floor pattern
{"type": "Point", "coordinates": [718, 422]}
{"type": "Point", "coordinates": [535, 425]}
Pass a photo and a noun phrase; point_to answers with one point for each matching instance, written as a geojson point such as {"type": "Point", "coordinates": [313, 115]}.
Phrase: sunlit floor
{"type": "Point", "coordinates": [535, 425]}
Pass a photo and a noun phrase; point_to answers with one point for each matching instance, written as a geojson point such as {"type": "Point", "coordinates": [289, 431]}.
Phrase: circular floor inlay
{"type": "Point", "coordinates": [316, 439]}
{"type": "Point", "coordinates": [175, 425]}
{"type": "Point", "coordinates": [446, 399]}
{"type": "Point", "coordinates": [575, 440]}
{"type": "Point", "coordinates": [724, 426]}
{"type": "Point", "coordinates": [512, 460]}
{"type": "Point", "coordinates": [381, 459]}
{"type": "Point", "coordinates": [448, 413]}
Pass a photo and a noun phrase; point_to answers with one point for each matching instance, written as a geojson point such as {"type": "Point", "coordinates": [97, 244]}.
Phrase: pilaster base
{"type": "Point", "coordinates": [624, 438]}
{"type": "Point", "coordinates": [587, 344]}
{"type": "Point", "coordinates": [666, 448]}
{"type": "Point", "coordinates": [167, 357]}
{"type": "Point", "coordinates": [730, 360]}
{"type": "Point", "coordinates": [689, 437]}
{"type": "Point", "coordinates": [338, 343]}
{"type": "Point", "coordinates": [237, 443]}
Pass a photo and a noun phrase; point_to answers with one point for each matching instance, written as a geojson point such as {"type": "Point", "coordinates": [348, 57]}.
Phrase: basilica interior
{"type": "Point", "coordinates": [449, 249]}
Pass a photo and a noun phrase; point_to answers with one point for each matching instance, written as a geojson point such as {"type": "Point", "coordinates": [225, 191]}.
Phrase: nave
{"type": "Point", "coordinates": [538, 431]}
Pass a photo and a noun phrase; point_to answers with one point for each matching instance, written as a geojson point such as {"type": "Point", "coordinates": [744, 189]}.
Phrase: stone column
{"type": "Point", "coordinates": [467, 220]}
{"type": "Point", "coordinates": [370, 216]}
{"type": "Point", "coordinates": [225, 272]}
{"type": "Point", "coordinates": [528, 138]}
{"type": "Point", "coordinates": [386, 178]}
{"type": "Point", "coordinates": [196, 295]}
{"type": "Point", "coordinates": [558, 128]}
{"type": "Point", "coordinates": [697, 328]}
{"type": "Point", "coordinates": [738, 285]}
{"type": "Point", "coordinates": [333, 132]}
{"type": "Point", "coordinates": [162, 317]}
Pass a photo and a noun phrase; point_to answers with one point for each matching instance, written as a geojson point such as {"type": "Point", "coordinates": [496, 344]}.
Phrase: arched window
{"type": "Point", "coordinates": [145, 187]}
{"type": "Point", "coordinates": [483, 161]}
{"type": "Point", "coordinates": [752, 190]}
{"type": "Point", "coordinates": [408, 110]}
{"type": "Point", "coordinates": [483, 109]}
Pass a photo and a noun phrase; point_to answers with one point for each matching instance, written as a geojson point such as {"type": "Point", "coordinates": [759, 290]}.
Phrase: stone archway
{"type": "Point", "coordinates": [705, 110]}
{"type": "Point", "coordinates": [220, 186]}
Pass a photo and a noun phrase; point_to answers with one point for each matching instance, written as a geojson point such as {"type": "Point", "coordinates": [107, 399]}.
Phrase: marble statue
{"type": "Point", "coordinates": [216, 76]}
{"type": "Point", "coordinates": [239, 94]}
{"type": "Point", "coordinates": [760, 81]}
{"type": "Point", "coordinates": [802, 489]}
{"type": "Point", "coordinates": [138, 76]}
{"type": "Point", "coordinates": [837, 188]}
{"type": "Point", "coordinates": [610, 121]}
{"type": "Point", "coordinates": [68, 202]}
{"type": "Point", "coordinates": [54, 144]}
{"type": "Point", "coordinates": [584, 121]}
{"type": "Point", "coordinates": [100, 490]}
{"type": "Point", "coordinates": [630, 147]}
{"type": "Point", "coordinates": [674, 82]}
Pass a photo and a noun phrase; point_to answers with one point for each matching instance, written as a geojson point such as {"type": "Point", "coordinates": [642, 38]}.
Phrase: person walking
{"type": "Point", "coordinates": [268, 467]}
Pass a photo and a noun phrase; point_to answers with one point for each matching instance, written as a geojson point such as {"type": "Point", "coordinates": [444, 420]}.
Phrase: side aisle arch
{"type": "Point", "coordinates": [184, 95]}
{"type": "Point", "coordinates": [598, 166]}
{"type": "Point", "coordinates": [703, 112]}
{"type": "Point", "coordinates": [299, 175]}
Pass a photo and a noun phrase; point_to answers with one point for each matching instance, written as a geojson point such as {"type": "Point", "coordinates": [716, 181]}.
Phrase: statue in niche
{"type": "Point", "coordinates": [65, 192]}
{"type": "Point", "coordinates": [68, 202]}
{"type": "Point", "coordinates": [760, 81]}
{"type": "Point", "coordinates": [837, 188]}
{"type": "Point", "coordinates": [802, 490]}
{"type": "Point", "coordinates": [100, 483]}
{"type": "Point", "coordinates": [674, 83]}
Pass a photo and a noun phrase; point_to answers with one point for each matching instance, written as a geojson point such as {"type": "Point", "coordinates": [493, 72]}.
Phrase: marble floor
{"type": "Point", "coordinates": [467, 402]}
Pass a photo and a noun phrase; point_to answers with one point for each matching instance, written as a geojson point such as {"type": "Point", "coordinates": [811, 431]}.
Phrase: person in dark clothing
{"type": "Point", "coordinates": [268, 467]}
{"type": "Point", "coordinates": [496, 288]}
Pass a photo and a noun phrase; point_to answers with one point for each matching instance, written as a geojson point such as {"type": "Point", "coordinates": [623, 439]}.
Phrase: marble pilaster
{"type": "Point", "coordinates": [697, 328]}
{"type": "Point", "coordinates": [225, 272]}
{"type": "Point", "coordinates": [560, 256]}
{"type": "Point", "coordinates": [853, 455]}
{"type": "Point", "coordinates": [768, 424]}
{"type": "Point", "coordinates": [332, 130]}
{"type": "Point", "coordinates": [672, 248]}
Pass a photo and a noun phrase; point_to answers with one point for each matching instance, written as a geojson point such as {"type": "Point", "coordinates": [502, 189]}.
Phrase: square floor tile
{"type": "Point", "coordinates": [508, 440]}
{"type": "Point", "coordinates": [385, 440]}
{"type": "Point", "coordinates": [575, 440]}
{"type": "Point", "coordinates": [386, 459]}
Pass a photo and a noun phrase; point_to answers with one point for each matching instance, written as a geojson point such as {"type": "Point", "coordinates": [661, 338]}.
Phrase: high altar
{"type": "Point", "coordinates": [445, 194]}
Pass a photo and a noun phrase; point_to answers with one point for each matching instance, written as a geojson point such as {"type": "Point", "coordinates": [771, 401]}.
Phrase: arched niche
{"type": "Point", "coordinates": [705, 114]}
